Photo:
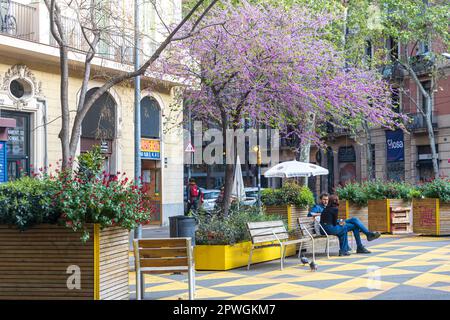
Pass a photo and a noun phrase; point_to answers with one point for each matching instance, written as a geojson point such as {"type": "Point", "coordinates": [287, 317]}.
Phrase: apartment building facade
{"type": "Point", "coordinates": [30, 94]}
{"type": "Point", "coordinates": [396, 155]}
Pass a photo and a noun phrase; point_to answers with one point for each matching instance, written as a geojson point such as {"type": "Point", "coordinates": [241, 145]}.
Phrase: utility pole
{"type": "Point", "coordinates": [137, 109]}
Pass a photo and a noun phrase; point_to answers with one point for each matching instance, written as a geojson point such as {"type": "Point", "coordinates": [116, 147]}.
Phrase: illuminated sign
{"type": "Point", "coordinates": [150, 149]}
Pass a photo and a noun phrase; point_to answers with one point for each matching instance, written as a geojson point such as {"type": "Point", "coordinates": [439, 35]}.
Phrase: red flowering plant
{"type": "Point", "coordinates": [90, 195]}
{"type": "Point", "coordinates": [74, 197]}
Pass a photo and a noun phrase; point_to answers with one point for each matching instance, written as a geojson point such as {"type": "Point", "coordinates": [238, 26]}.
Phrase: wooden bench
{"type": "Point", "coordinates": [307, 229]}
{"type": "Point", "coordinates": [270, 234]}
{"type": "Point", "coordinates": [159, 256]}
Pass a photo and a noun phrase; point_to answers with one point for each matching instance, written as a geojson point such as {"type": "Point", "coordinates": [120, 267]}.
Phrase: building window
{"type": "Point", "coordinates": [150, 118]}
{"type": "Point", "coordinates": [372, 151]}
{"type": "Point", "coordinates": [99, 127]}
{"type": "Point", "coordinates": [424, 163]}
{"type": "Point", "coordinates": [427, 86]}
{"type": "Point", "coordinates": [393, 48]}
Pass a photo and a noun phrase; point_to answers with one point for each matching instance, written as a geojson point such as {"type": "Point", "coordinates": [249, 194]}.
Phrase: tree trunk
{"type": "Point", "coordinates": [431, 136]}
{"type": "Point", "coordinates": [229, 173]}
{"type": "Point", "coordinates": [370, 168]}
{"type": "Point", "coordinates": [65, 115]}
{"type": "Point", "coordinates": [428, 113]}
{"type": "Point", "coordinates": [305, 148]}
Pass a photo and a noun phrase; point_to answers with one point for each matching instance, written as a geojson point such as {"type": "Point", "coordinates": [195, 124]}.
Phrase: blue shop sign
{"type": "Point", "coordinates": [150, 155]}
{"type": "Point", "coordinates": [3, 163]}
{"type": "Point", "coordinates": [395, 146]}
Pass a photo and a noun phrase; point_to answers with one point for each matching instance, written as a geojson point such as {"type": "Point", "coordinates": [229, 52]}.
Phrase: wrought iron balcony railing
{"type": "Point", "coordinates": [114, 47]}
{"type": "Point", "coordinates": [419, 122]}
{"type": "Point", "coordinates": [18, 20]}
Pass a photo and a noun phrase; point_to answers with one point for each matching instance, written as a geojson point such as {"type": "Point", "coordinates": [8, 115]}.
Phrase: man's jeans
{"type": "Point", "coordinates": [355, 225]}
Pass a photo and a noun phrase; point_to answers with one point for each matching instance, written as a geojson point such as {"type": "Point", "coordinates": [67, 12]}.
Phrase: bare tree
{"type": "Point", "coordinates": [100, 24]}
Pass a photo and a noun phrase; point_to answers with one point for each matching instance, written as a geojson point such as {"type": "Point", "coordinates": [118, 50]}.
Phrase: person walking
{"type": "Point", "coordinates": [194, 196]}
{"type": "Point", "coordinates": [333, 226]}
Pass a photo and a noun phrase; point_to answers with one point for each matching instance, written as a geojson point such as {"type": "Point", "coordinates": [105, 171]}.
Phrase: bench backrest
{"type": "Point", "coordinates": [163, 255]}
{"type": "Point", "coordinates": [306, 224]}
{"type": "Point", "coordinates": [265, 231]}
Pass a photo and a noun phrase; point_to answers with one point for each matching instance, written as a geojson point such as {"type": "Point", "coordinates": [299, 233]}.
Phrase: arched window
{"type": "Point", "coordinates": [99, 127]}
{"type": "Point", "coordinates": [100, 121]}
{"type": "Point", "coordinates": [150, 118]}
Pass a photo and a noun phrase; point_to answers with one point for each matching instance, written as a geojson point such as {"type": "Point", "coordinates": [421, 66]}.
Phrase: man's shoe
{"type": "Point", "coordinates": [344, 254]}
{"type": "Point", "coordinates": [373, 236]}
{"type": "Point", "coordinates": [362, 250]}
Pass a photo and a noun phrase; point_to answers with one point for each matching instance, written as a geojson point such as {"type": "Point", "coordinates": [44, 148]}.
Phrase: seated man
{"type": "Point", "coordinates": [317, 210]}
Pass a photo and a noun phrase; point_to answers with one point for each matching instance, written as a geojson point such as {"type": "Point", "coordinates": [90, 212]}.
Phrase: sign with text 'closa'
{"type": "Point", "coordinates": [395, 146]}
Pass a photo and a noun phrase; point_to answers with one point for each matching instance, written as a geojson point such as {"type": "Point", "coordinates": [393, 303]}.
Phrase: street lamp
{"type": "Point", "coordinates": [257, 149]}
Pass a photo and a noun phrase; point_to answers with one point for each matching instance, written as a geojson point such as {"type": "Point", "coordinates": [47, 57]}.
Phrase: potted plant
{"type": "Point", "coordinates": [291, 201]}
{"type": "Point", "coordinates": [431, 208]}
{"type": "Point", "coordinates": [353, 201]}
{"type": "Point", "coordinates": [223, 243]}
{"type": "Point", "coordinates": [65, 235]}
{"type": "Point", "coordinates": [383, 197]}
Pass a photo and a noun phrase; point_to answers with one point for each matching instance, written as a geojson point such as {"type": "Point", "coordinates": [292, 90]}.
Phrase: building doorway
{"type": "Point", "coordinates": [18, 145]}
{"type": "Point", "coordinates": [151, 157]}
{"type": "Point", "coordinates": [151, 186]}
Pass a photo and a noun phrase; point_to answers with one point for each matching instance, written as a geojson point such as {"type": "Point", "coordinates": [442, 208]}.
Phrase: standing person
{"type": "Point", "coordinates": [331, 225]}
{"type": "Point", "coordinates": [194, 196]}
{"type": "Point", "coordinates": [219, 200]}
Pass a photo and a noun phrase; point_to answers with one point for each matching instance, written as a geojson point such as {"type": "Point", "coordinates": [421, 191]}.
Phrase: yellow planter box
{"type": "Point", "coordinates": [226, 257]}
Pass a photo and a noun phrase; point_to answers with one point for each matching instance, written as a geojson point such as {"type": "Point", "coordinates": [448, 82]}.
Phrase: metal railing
{"type": "Point", "coordinates": [419, 122]}
{"type": "Point", "coordinates": [18, 20]}
{"type": "Point", "coordinates": [115, 47]}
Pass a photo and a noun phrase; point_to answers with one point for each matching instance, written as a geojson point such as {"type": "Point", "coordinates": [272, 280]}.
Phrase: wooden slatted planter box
{"type": "Point", "coordinates": [379, 213]}
{"type": "Point", "coordinates": [431, 217]}
{"type": "Point", "coordinates": [349, 209]}
{"type": "Point", "coordinates": [36, 263]}
{"type": "Point", "coordinates": [226, 257]}
{"type": "Point", "coordinates": [289, 213]}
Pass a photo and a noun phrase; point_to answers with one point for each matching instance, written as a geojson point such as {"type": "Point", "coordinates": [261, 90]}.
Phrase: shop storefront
{"type": "Point", "coordinates": [151, 156]}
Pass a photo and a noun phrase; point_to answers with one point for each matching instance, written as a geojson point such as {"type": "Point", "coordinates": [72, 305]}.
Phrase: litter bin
{"type": "Point", "coordinates": [182, 226]}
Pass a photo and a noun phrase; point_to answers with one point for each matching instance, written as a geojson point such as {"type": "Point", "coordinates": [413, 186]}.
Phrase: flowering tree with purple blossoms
{"type": "Point", "coordinates": [275, 67]}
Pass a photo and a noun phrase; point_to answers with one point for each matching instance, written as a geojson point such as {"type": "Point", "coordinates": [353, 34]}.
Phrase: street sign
{"type": "Point", "coordinates": [190, 148]}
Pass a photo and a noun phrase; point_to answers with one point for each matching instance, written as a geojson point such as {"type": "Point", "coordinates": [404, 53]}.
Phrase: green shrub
{"type": "Point", "coordinates": [361, 193]}
{"type": "Point", "coordinates": [353, 192]}
{"type": "Point", "coordinates": [437, 188]}
{"type": "Point", "coordinates": [290, 193]}
{"type": "Point", "coordinates": [26, 202]}
{"type": "Point", "coordinates": [231, 229]}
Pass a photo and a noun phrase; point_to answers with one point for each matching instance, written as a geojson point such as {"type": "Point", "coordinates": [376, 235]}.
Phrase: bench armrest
{"type": "Point", "coordinates": [306, 229]}
{"type": "Point", "coordinates": [323, 230]}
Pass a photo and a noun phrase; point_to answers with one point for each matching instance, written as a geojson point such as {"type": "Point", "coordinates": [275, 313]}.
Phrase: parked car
{"type": "Point", "coordinates": [209, 198]}
{"type": "Point", "coordinates": [251, 196]}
